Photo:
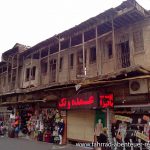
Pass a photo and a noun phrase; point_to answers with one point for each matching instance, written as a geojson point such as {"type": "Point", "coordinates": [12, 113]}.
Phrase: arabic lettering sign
{"type": "Point", "coordinates": [106, 101]}
{"type": "Point", "coordinates": [77, 102]}
{"type": "Point", "coordinates": [87, 100]}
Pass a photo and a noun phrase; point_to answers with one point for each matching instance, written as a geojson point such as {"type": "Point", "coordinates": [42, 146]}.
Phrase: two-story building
{"type": "Point", "coordinates": [103, 60]}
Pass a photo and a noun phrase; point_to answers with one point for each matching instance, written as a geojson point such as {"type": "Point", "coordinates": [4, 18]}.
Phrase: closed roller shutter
{"type": "Point", "coordinates": [80, 125]}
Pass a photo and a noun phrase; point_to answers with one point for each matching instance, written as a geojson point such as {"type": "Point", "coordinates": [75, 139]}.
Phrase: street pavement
{"type": "Point", "coordinates": [24, 144]}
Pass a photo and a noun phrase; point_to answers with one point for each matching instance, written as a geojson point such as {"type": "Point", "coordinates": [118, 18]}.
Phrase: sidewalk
{"type": "Point", "coordinates": [56, 146]}
{"type": "Point", "coordinates": [23, 144]}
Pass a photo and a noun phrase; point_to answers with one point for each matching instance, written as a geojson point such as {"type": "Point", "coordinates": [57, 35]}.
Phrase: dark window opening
{"type": "Point", "coordinates": [9, 69]}
{"type": "Point", "coordinates": [44, 66]}
{"type": "Point", "coordinates": [13, 79]}
{"type": "Point", "coordinates": [65, 44]}
{"type": "Point", "coordinates": [4, 69]}
{"type": "Point", "coordinates": [4, 81]}
{"type": "Point", "coordinates": [104, 28]}
{"type": "Point", "coordinates": [54, 48]}
{"type": "Point", "coordinates": [9, 78]}
{"type": "Point", "coordinates": [33, 72]}
{"type": "Point", "coordinates": [109, 46]}
{"type": "Point", "coordinates": [80, 70]}
{"type": "Point", "coordinates": [14, 61]}
{"type": "Point", "coordinates": [76, 40]}
{"type": "Point", "coordinates": [1, 70]}
{"type": "Point", "coordinates": [53, 70]}
{"type": "Point", "coordinates": [93, 54]}
{"type": "Point", "coordinates": [80, 57]}
{"type": "Point", "coordinates": [14, 76]}
{"type": "Point", "coordinates": [4, 99]}
{"type": "Point", "coordinates": [91, 34]}
{"type": "Point", "coordinates": [36, 55]}
{"type": "Point", "coordinates": [61, 64]}
{"type": "Point", "coordinates": [71, 60]}
{"type": "Point", "coordinates": [44, 52]}
{"type": "Point", "coordinates": [125, 54]}
{"type": "Point", "coordinates": [27, 74]}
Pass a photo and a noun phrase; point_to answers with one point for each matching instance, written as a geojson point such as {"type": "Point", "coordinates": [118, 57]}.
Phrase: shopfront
{"type": "Point", "coordinates": [131, 124]}
{"type": "Point", "coordinates": [80, 125]}
{"type": "Point", "coordinates": [83, 113]}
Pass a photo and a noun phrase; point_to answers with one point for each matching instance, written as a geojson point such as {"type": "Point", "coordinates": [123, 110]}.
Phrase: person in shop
{"type": "Point", "coordinates": [103, 138]}
{"type": "Point", "coordinates": [17, 126]}
{"type": "Point", "coordinates": [2, 128]}
{"type": "Point", "coordinates": [11, 128]}
{"type": "Point", "coordinates": [61, 126]}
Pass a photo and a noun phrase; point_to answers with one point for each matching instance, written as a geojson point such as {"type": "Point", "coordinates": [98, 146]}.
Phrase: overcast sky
{"type": "Point", "coordinates": [30, 21]}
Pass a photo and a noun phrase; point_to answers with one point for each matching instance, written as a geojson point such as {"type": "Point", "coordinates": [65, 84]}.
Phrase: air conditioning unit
{"type": "Point", "coordinates": [138, 86]}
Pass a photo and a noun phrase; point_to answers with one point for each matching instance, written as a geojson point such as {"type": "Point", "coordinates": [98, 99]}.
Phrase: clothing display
{"type": "Point", "coordinates": [42, 124]}
{"type": "Point", "coordinates": [47, 126]}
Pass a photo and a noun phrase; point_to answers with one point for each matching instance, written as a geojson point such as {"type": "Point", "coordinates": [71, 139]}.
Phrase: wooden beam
{"type": "Point", "coordinates": [17, 72]}
{"type": "Point", "coordinates": [113, 45]}
{"type": "Point", "coordinates": [31, 62]}
{"type": "Point", "coordinates": [98, 54]}
{"type": "Point", "coordinates": [48, 65]}
{"type": "Point", "coordinates": [7, 75]}
{"type": "Point", "coordinates": [58, 59]}
{"type": "Point", "coordinates": [69, 52]}
{"type": "Point", "coordinates": [11, 70]}
{"type": "Point", "coordinates": [83, 51]}
{"type": "Point", "coordinates": [39, 68]}
{"type": "Point", "coordinates": [23, 71]}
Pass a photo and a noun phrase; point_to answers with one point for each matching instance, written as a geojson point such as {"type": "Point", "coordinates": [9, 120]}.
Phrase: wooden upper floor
{"type": "Point", "coordinates": [108, 43]}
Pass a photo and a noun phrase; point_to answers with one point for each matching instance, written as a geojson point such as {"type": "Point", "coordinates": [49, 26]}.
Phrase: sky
{"type": "Point", "coordinates": [29, 22]}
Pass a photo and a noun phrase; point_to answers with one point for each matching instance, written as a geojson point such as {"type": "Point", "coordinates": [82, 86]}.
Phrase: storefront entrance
{"type": "Point", "coordinates": [80, 125]}
{"type": "Point", "coordinates": [131, 125]}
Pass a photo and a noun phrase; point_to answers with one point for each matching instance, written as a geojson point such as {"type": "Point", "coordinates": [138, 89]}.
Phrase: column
{"type": "Point", "coordinates": [83, 49]}
{"type": "Point", "coordinates": [113, 46]}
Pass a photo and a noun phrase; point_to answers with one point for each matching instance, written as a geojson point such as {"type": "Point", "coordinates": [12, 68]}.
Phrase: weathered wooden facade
{"type": "Point", "coordinates": [106, 52]}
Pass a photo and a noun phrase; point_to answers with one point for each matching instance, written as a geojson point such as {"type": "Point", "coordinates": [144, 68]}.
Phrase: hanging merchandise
{"type": "Point", "coordinates": [131, 127]}
{"type": "Point", "coordinates": [50, 126]}
{"type": "Point", "coordinates": [25, 113]}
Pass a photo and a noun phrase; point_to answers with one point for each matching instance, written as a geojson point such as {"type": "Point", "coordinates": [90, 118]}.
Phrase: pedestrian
{"type": "Point", "coordinates": [103, 139]}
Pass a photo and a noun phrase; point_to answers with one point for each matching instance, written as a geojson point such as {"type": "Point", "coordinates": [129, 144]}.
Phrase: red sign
{"type": "Point", "coordinates": [105, 101]}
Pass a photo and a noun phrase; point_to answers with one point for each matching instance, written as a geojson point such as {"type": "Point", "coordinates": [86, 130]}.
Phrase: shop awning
{"type": "Point", "coordinates": [132, 106]}
{"type": "Point", "coordinates": [21, 102]}
{"type": "Point", "coordinates": [30, 101]}
{"type": "Point", "coordinates": [8, 103]}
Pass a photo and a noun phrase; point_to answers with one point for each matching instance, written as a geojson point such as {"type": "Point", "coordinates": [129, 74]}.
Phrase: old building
{"type": "Point", "coordinates": [101, 56]}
